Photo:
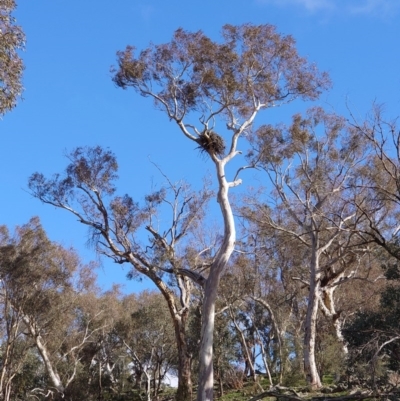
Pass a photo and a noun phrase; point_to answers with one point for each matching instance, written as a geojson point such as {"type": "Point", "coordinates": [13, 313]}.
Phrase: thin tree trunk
{"type": "Point", "coordinates": [277, 330]}
{"type": "Point", "coordinates": [148, 384]}
{"type": "Point", "coordinates": [245, 348]}
{"type": "Point", "coordinates": [52, 372]}
{"type": "Point", "coordinates": [159, 380]}
{"type": "Point", "coordinates": [9, 388]}
{"type": "Point", "coordinates": [219, 374]}
{"type": "Point", "coordinates": [299, 349]}
{"type": "Point", "coordinates": [264, 358]}
{"type": "Point", "coordinates": [179, 318]}
{"type": "Point", "coordinates": [4, 369]}
{"type": "Point", "coordinates": [12, 327]}
{"type": "Point", "coordinates": [100, 383]}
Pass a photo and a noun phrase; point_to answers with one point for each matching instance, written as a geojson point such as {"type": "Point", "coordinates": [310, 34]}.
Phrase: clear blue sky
{"type": "Point", "coordinates": [70, 100]}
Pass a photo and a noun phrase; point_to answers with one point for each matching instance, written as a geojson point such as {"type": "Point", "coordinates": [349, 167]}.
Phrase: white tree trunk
{"type": "Point", "coordinates": [206, 372]}
{"type": "Point", "coordinates": [310, 366]}
{"type": "Point", "coordinates": [327, 304]}
{"type": "Point", "coordinates": [52, 372]}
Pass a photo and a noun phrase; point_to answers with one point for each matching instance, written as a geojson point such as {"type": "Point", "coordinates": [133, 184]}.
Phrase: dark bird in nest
{"type": "Point", "coordinates": [211, 142]}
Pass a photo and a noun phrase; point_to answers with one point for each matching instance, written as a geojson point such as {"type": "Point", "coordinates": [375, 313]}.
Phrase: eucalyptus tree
{"type": "Point", "coordinates": [119, 227]}
{"type": "Point", "coordinates": [12, 39]}
{"type": "Point", "coordinates": [40, 278]}
{"type": "Point", "coordinates": [312, 165]}
{"type": "Point", "coordinates": [213, 92]}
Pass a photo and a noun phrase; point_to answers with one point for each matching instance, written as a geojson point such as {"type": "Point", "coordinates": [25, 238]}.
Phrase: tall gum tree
{"type": "Point", "coordinates": [311, 165]}
{"type": "Point", "coordinates": [224, 85]}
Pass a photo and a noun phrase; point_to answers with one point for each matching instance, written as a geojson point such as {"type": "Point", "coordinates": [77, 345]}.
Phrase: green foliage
{"type": "Point", "coordinates": [374, 335]}
{"type": "Point", "coordinates": [30, 376]}
{"type": "Point", "coordinates": [330, 357]}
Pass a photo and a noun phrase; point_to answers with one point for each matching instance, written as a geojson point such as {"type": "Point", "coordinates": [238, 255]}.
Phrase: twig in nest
{"type": "Point", "coordinates": [211, 142]}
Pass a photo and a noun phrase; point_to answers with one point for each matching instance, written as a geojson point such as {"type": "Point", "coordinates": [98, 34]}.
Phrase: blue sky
{"type": "Point", "coordinates": [70, 100]}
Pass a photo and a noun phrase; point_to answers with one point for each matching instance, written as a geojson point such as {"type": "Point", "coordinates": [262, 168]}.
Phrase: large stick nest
{"type": "Point", "coordinates": [211, 142]}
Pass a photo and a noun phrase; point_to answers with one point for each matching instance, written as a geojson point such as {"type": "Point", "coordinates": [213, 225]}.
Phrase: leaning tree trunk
{"type": "Point", "coordinates": [206, 372]}
{"type": "Point", "coordinates": [310, 365]}
{"type": "Point", "coordinates": [265, 361]}
{"type": "Point", "coordinates": [245, 349]}
{"type": "Point", "coordinates": [51, 370]}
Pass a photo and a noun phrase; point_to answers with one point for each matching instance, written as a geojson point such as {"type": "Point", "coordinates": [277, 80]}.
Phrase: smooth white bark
{"type": "Point", "coordinates": [327, 304]}
{"type": "Point", "coordinates": [206, 373]}
{"type": "Point", "coordinates": [51, 370]}
{"type": "Point", "coordinates": [310, 365]}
